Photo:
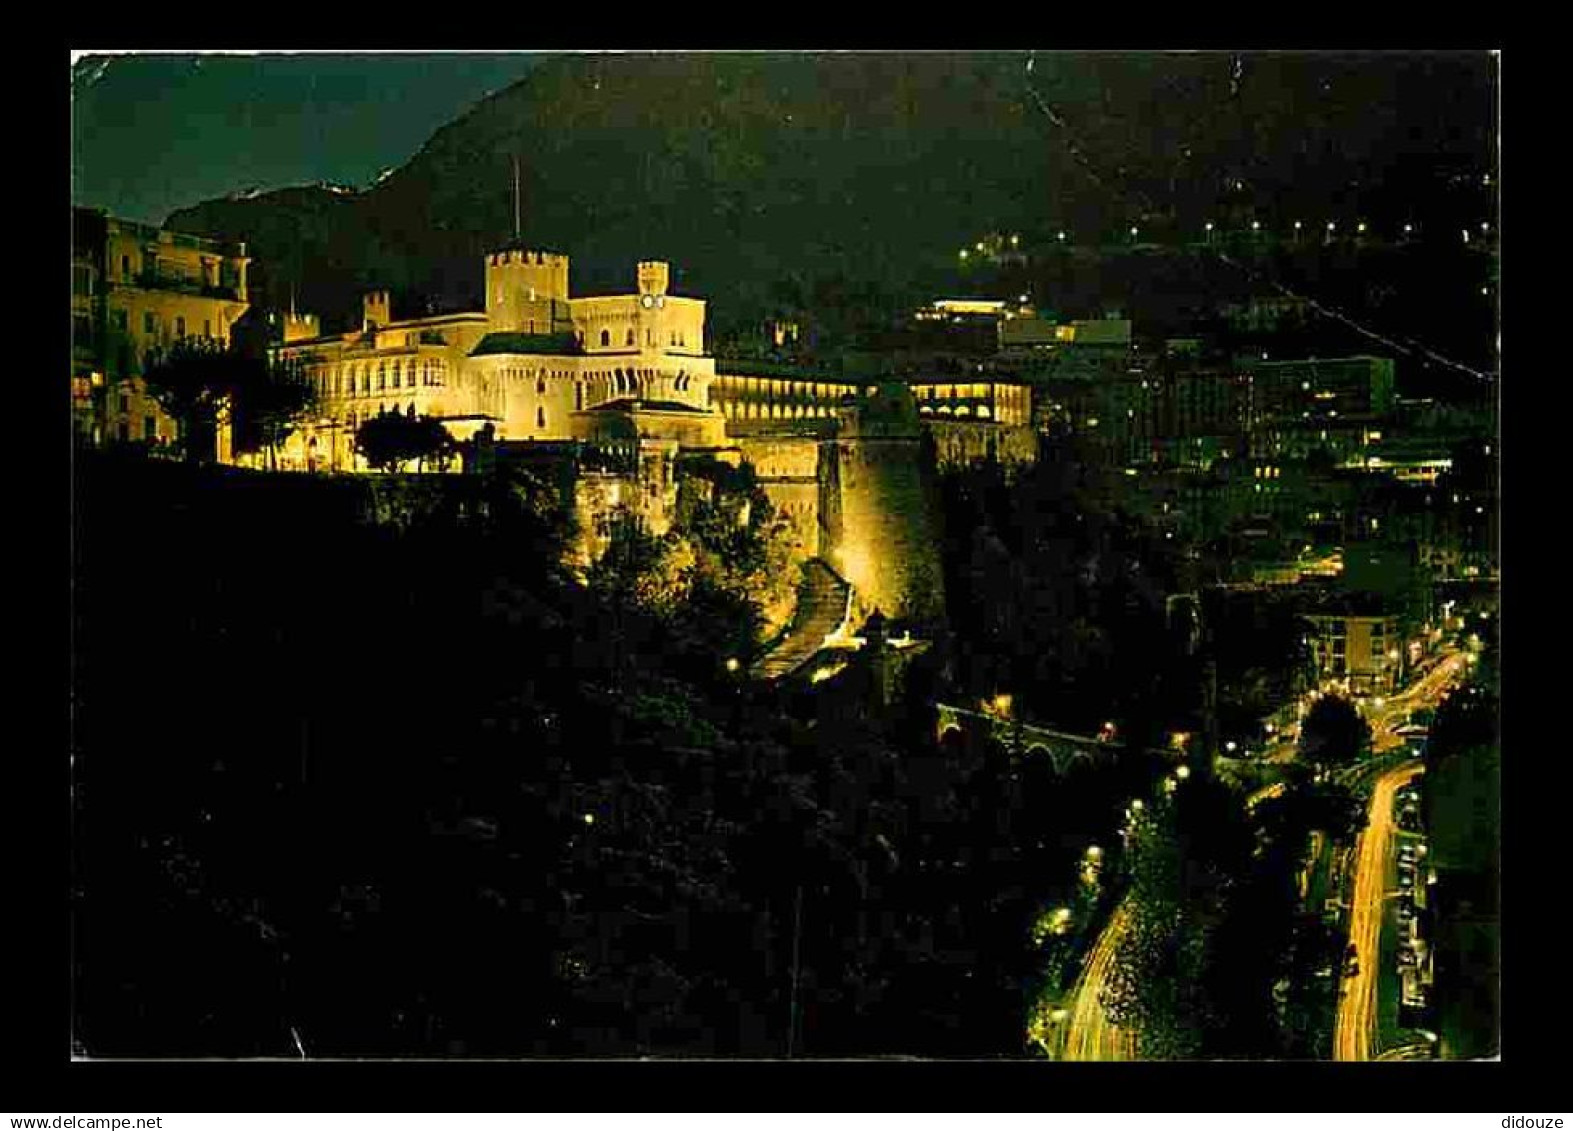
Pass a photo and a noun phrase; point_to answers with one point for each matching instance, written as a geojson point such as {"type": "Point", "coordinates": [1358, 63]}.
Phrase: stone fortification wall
{"type": "Point", "coordinates": [879, 515]}
{"type": "Point", "coordinates": [958, 443]}
{"type": "Point", "coordinates": [788, 473]}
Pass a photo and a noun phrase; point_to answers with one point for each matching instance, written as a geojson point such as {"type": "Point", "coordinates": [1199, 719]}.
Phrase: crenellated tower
{"type": "Point", "coordinates": [527, 291]}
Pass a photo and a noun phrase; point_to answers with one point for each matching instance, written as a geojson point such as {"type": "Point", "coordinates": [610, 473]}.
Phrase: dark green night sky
{"type": "Point", "coordinates": [153, 133]}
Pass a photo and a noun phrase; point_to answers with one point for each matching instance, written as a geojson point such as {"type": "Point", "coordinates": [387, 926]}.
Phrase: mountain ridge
{"type": "Point", "coordinates": [763, 176]}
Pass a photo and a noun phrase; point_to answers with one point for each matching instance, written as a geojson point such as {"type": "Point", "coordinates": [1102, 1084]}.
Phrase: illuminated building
{"type": "Point", "coordinates": [1356, 644]}
{"type": "Point", "coordinates": [1335, 405]}
{"type": "Point", "coordinates": [536, 364]}
{"type": "Point", "coordinates": [136, 289]}
{"type": "Point", "coordinates": [627, 376]}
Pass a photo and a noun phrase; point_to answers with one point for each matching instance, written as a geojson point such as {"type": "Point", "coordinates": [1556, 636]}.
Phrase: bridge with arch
{"type": "Point", "coordinates": [1064, 751]}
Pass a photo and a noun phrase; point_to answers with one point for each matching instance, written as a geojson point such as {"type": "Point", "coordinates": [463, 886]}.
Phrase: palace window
{"type": "Point", "coordinates": [540, 386]}
{"type": "Point", "coordinates": [148, 323]}
{"type": "Point", "coordinates": [606, 337]}
{"type": "Point", "coordinates": [630, 340]}
{"type": "Point", "coordinates": [396, 375]}
{"type": "Point", "coordinates": [540, 418]}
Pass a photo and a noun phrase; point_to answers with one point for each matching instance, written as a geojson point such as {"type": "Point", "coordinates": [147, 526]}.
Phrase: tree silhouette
{"type": "Point", "coordinates": [193, 381]}
{"type": "Point", "coordinates": [1333, 733]}
{"type": "Point", "coordinates": [271, 398]}
{"type": "Point", "coordinates": [389, 440]}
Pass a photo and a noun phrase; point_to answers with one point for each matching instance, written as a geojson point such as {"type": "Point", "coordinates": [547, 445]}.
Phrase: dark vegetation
{"type": "Point", "coordinates": [414, 790]}
{"type": "Point", "coordinates": [411, 788]}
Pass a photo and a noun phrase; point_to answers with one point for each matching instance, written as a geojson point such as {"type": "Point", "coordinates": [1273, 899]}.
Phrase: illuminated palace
{"type": "Point", "coordinates": [540, 370]}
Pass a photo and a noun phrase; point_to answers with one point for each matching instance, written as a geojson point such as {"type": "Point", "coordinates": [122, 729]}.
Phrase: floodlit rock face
{"type": "Point", "coordinates": [878, 510]}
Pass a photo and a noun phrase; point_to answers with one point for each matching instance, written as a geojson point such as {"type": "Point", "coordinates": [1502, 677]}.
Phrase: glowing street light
{"type": "Point", "coordinates": [1093, 852]}
{"type": "Point", "coordinates": [1256, 225]}
{"type": "Point", "coordinates": [732, 664]}
{"type": "Point", "coordinates": [589, 818]}
{"type": "Point", "coordinates": [1183, 772]}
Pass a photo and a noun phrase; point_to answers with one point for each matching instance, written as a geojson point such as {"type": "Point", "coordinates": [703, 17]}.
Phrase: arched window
{"type": "Point", "coordinates": [606, 337]}
{"type": "Point", "coordinates": [540, 418]}
{"type": "Point", "coordinates": [382, 376]}
{"type": "Point", "coordinates": [540, 386]}
{"type": "Point", "coordinates": [578, 396]}
{"type": "Point", "coordinates": [397, 366]}
{"type": "Point", "coordinates": [630, 340]}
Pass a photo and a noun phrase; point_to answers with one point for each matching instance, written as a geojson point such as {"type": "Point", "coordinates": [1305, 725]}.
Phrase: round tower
{"type": "Point", "coordinates": [878, 508]}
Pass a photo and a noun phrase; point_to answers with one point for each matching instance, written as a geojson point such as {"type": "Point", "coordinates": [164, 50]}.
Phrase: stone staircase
{"type": "Point", "coordinates": [821, 607]}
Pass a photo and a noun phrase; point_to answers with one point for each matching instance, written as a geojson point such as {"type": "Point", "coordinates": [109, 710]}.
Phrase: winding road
{"type": "Point", "coordinates": [1354, 1037]}
{"type": "Point", "coordinates": [1089, 1034]}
